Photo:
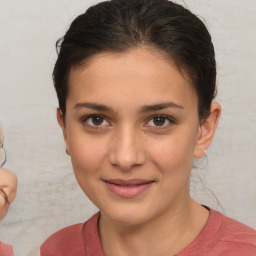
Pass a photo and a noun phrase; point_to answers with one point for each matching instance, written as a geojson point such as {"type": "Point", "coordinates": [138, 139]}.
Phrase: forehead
{"type": "Point", "coordinates": [138, 72]}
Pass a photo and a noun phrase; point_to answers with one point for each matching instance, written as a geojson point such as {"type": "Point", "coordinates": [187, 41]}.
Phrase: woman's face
{"type": "Point", "coordinates": [131, 129]}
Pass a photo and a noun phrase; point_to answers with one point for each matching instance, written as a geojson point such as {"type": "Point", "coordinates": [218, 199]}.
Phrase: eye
{"type": "Point", "coordinates": [95, 121]}
{"type": "Point", "coordinates": [159, 121]}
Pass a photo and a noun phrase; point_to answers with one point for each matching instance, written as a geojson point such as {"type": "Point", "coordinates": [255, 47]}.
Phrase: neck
{"type": "Point", "coordinates": [173, 231]}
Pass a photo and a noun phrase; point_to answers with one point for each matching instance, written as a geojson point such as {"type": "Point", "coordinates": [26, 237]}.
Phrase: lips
{"type": "Point", "coordinates": [128, 188]}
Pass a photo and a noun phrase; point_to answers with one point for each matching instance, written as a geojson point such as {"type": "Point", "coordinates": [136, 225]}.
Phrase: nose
{"type": "Point", "coordinates": [126, 149]}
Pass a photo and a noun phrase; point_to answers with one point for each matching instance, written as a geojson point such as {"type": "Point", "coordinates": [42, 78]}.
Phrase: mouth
{"type": "Point", "coordinates": [128, 188]}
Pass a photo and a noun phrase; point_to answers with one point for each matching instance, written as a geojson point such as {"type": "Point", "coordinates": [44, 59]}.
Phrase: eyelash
{"type": "Point", "coordinates": [165, 119]}
{"type": "Point", "coordinates": [150, 119]}
{"type": "Point", "coordinates": [86, 118]}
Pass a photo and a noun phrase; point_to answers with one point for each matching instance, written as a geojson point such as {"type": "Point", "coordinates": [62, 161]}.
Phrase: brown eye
{"type": "Point", "coordinates": [159, 120]}
{"type": "Point", "coordinates": [97, 120]}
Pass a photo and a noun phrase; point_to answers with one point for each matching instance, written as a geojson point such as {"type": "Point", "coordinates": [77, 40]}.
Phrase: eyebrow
{"type": "Point", "coordinates": [142, 110]}
{"type": "Point", "coordinates": [156, 107]}
{"type": "Point", "coordinates": [94, 106]}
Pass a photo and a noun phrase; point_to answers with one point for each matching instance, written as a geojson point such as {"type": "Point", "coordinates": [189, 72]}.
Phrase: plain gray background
{"type": "Point", "coordinates": [48, 195]}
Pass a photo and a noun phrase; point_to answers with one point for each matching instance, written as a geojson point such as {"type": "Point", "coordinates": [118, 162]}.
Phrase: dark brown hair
{"type": "Point", "coordinates": [120, 25]}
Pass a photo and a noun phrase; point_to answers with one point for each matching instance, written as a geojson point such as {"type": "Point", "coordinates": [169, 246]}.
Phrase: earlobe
{"type": "Point", "coordinates": [206, 130]}
{"type": "Point", "coordinates": [61, 122]}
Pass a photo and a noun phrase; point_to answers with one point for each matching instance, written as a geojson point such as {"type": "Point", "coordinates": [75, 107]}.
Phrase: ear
{"type": "Point", "coordinates": [206, 130]}
{"type": "Point", "coordinates": [61, 122]}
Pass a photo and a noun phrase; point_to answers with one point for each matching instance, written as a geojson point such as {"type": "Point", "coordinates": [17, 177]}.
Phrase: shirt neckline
{"type": "Point", "coordinates": [210, 230]}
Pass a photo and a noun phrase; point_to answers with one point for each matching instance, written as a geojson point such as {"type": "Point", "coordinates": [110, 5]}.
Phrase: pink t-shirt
{"type": "Point", "coordinates": [221, 236]}
{"type": "Point", "coordinates": [6, 249]}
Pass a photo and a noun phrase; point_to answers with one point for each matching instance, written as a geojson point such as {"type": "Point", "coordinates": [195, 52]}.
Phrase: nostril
{"type": "Point", "coordinates": [126, 150]}
{"type": "Point", "coordinates": [125, 162]}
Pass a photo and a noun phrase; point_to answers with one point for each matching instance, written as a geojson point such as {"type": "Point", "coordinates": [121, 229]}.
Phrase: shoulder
{"type": "Point", "coordinates": [237, 232]}
{"type": "Point", "coordinates": [67, 241]}
{"type": "Point", "coordinates": [233, 237]}
{"type": "Point", "coordinates": [223, 236]}
{"type": "Point", "coordinates": [6, 249]}
{"type": "Point", "coordinates": [74, 240]}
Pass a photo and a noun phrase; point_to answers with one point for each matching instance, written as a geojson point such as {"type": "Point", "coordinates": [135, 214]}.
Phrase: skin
{"type": "Point", "coordinates": [150, 130]}
{"type": "Point", "coordinates": [8, 183]}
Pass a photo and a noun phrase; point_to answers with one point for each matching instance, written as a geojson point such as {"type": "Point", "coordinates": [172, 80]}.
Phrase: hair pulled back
{"type": "Point", "coordinates": [120, 25]}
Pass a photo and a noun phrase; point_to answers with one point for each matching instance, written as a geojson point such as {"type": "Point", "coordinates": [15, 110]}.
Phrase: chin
{"type": "Point", "coordinates": [127, 216]}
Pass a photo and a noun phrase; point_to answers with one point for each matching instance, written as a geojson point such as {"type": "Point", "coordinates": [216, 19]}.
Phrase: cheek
{"type": "Point", "coordinates": [87, 154]}
{"type": "Point", "coordinates": [173, 153]}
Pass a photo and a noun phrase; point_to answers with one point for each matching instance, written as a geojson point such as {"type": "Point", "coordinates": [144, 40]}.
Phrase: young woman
{"type": "Point", "coordinates": [136, 81]}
